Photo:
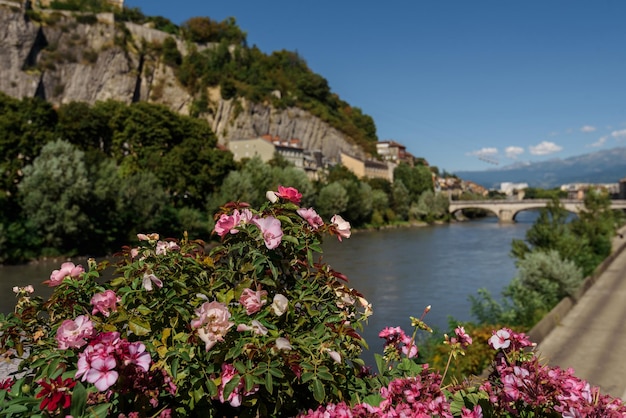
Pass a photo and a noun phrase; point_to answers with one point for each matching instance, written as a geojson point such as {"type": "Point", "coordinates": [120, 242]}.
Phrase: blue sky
{"type": "Point", "coordinates": [464, 84]}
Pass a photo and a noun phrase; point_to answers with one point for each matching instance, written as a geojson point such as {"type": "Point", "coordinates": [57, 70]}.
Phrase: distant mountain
{"type": "Point", "coordinates": [607, 166]}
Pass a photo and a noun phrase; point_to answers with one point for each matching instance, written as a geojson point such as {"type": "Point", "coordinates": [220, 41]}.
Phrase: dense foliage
{"type": "Point", "coordinates": [84, 179]}
{"type": "Point", "coordinates": [87, 178]}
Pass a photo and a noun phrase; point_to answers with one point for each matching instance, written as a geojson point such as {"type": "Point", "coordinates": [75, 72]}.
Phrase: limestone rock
{"type": "Point", "coordinates": [63, 60]}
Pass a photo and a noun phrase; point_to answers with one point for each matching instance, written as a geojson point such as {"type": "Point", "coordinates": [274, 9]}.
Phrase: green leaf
{"type": "Point", "coordinates": [99, 411]}
{"type": "Point", "coordinates": [144, 310]}
{"type": "Point", "coordinates": [14, 409]}
{"type": "Point", "coordinates": [139, 327]}
{"type": "Point", "coordinates": [374, 399]}
{"type": "Point", "coordinates": [290, 239]}
{"type": "Point", "coordinates": [277, 373]}
{"type": "Point", "coordinates": [269, 382]}
{"type": "Point", "coordinates": [380, 363]}
{"type": "Point", "coordinates": [230, 386]}
{"type": "Point", "coordinates": [79, 400]}
{"type": "Point", "coordinates": [174, 367]}
{"type": "Point", "coordinates": [318, 390]}
{"type": "Point", "coordinates": [306, 376]}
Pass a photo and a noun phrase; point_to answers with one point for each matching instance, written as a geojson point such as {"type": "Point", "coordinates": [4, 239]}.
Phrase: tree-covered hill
{"type": "Point", "coordinates": [86, 50]}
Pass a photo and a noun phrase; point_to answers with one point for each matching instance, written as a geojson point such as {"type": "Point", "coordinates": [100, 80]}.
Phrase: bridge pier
{"type": "Point", "coordinates": [506, 216]}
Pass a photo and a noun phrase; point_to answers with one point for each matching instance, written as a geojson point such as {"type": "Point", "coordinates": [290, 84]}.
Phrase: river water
{"type": "Point", "coordinates": [400, 271]}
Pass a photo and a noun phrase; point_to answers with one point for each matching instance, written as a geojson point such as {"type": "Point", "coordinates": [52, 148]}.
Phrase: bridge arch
{"type": "Point", "coordinates": [506, 210]}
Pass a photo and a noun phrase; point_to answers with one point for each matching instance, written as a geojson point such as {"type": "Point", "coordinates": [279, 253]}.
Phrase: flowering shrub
{"type": "Point", "coordinates": [518, 386]}
{"type": "Point", "coordinates": [254, 327]}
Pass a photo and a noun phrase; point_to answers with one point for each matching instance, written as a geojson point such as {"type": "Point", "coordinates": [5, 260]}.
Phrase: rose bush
{"type": "Point", "coordinates": [256, 326]}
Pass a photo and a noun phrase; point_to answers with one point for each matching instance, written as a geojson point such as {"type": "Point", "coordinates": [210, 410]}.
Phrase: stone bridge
{"type": "Point", "coordinates": [506, 210]}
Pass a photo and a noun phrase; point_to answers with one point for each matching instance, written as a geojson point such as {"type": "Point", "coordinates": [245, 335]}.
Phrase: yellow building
{"type": "Point", "coordinates": [368, 168]}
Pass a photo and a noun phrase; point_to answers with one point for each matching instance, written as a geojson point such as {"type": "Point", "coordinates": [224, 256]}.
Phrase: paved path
{"type": "Point", "coordinates": [591, 338]}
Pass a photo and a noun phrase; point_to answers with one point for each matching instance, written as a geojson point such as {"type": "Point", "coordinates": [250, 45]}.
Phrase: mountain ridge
{"type": "Point", "coordinates": [605, 166]}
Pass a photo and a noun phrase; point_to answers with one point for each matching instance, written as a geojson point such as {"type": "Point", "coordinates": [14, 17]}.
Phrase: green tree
{"type": "Point", "coordinates": [400, 200]}
{"type": "Point", "coordinates": [359, 208]}
{"type": "Point", "coordinates": [543, 279]}
{"type": "Point", "coordinates": [25, 127]}
{"type": "Point", "coordinates": [596, 225]}
{"type": "Point", "coordinates": [54, 195]}
{"type": "Point", "coordinates": [332, 199]}
{"type": "Point", "coordinates": [551, 232]}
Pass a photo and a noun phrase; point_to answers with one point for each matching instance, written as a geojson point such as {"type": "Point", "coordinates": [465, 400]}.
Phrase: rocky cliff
{"type": "Point", "coordinates": [63, 57]}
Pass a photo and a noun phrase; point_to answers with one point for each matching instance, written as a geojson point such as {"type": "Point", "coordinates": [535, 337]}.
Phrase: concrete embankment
{"type": "Point", "coordinates": [586, 332]}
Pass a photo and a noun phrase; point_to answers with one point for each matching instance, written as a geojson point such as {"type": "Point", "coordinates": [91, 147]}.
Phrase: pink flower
{"type": "Point", "coordinates": [148, 279]}
{"type": "Point", "coordinates": [500, 339]}
{"type": "Point", "coordinates": [136, 354]}
{"type": "Point", "coordinates": [148, 237]}
{"type": "Point", "coordinates": [162, 247]}
{"type": "Point", "coordinates": [67, 270]}
{"type": "Point", "coordinates": [228, 223]}
{"type": "Point", "coordinates": [270, 229]}
{"type": "Point", "coordinates": [104, 302]}
{"type": "Point", "coordinates": [101, 373]}
{"type": "Point", "coordinates": [464, 339]}
{"type": "Point", "coordinates": [73, 333]}
{"type": "Point", "coordinates": [341, 227]}
{"type": "Point", "coordinates": [212, 323]}
{"type": "Point", "coordinates": [256, 327]}
{"type": "Point", "coordinates": [252, 300]}
{"type": "Point", "coordinates": [289, 193]}
{"type": "Point", "coordinates": [311, 217]}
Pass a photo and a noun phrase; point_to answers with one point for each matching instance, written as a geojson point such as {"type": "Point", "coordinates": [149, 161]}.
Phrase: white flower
{"type": "Point", "coordinates": [148, 279]}
{"type": "Point", "coordinates": [334, 355]}
{"type": "Point", "coordinates": [283, 344]}
{"type": "Point", "coordinates": [271, 196]}
{"type": "Point", "coordinates": [280, 304]}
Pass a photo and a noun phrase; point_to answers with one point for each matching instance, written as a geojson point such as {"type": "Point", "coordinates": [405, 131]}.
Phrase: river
{"type": "Point", "coordinates": [400, 271]}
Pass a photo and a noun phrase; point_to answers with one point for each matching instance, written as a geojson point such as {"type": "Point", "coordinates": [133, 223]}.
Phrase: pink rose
{"type": "Point", "coordinates": [212, 323]}
{"type": "Point", "coordinates": [270, 229]}
{"type": "Point", "coordinates": [252, 300]}
{"type": "Point", "coordinates": [289, 193]}
{"type": "Point", "coordinates": [311, 217]}
{"type": "Point", "coordinates": [67, 270]}
{"type": "Point", "coordinates": [72, 333]}
{"type": "Point", "coordinates": [104, 302]}
{"type": "Point", "coordinates": [228, 223]}
{"type": "Point", "coordinates": [341, 227]}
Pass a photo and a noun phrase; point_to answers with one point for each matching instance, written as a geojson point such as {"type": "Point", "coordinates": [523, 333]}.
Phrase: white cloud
{"type": "Point", "coordinates": [619, 135]}
{"type": "Point", "coordinates": [599, 142]}
{"type": "Point", "coordinates": [484, 152]}
{"type": "Point", "coordinates": [513, 152]}
{"type": "Point", "coordinates": [587, 129]}
{"type": "Point", "coordinates": [545, 148]}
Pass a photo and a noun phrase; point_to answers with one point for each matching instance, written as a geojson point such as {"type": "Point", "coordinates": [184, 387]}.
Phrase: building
{"type": "Point", "coordinates": [266, 147]}
{"type": "Point", "coordinates": [368, 168]}
{"type": "Point", "coordinates": [394, 152]}
{"type": "Point", "coordinates": [509, 188]}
